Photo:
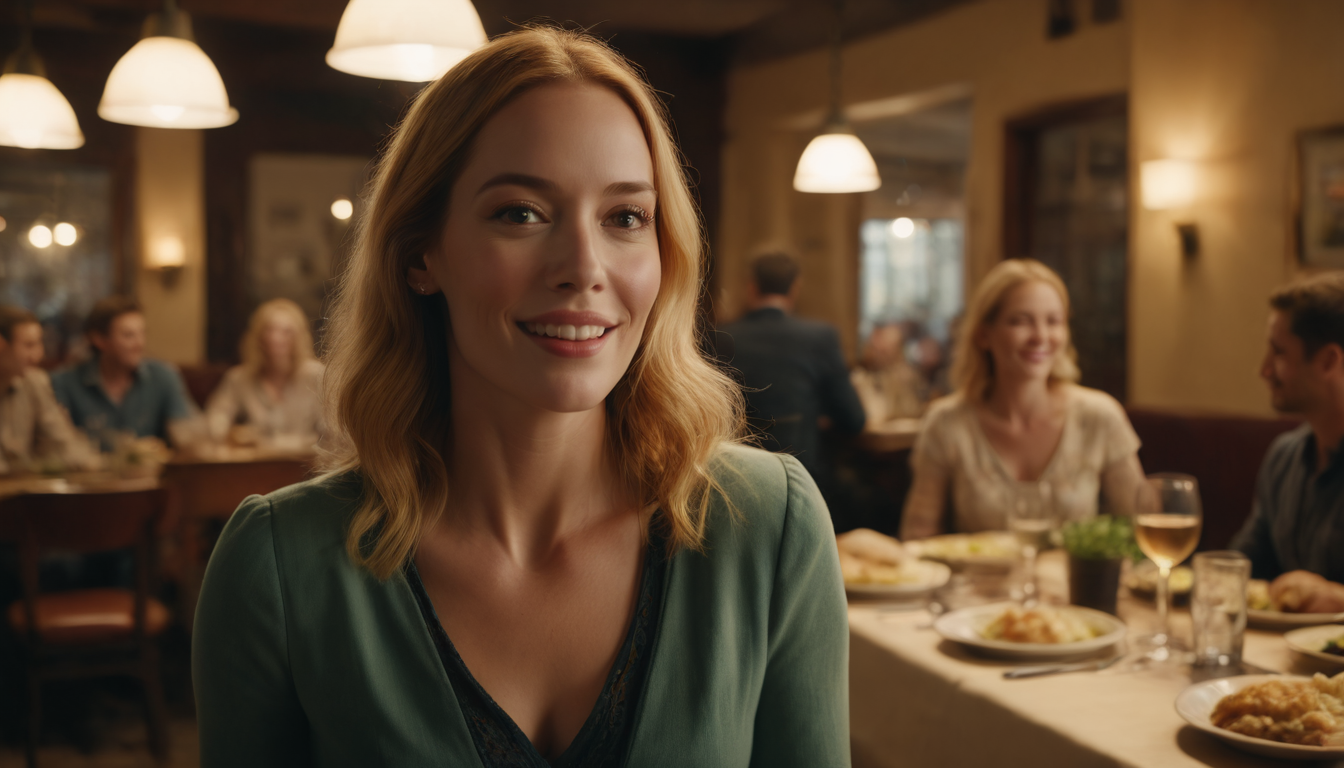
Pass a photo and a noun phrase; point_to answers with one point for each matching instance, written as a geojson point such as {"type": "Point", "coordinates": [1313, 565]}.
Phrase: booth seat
{"type": "Point", "coordinates": [1223, 452]}
{"type": "Point", "coordinates": [201, 380]}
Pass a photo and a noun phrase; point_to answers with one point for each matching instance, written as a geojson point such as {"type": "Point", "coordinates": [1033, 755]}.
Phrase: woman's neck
{"type": "Point", "coordinates": [1021, 400]}
{"type": "Point", "coordinates": [525, 477]}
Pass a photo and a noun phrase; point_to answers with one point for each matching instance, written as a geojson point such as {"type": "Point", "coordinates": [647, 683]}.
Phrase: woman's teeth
{"type": "Point", "coordinates": [568, 332]}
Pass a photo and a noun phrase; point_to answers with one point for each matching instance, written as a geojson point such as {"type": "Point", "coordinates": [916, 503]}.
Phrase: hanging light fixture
{"type": "Point", "coordinates": [412, 40]}
{"type": "Point", "coordinates": [836, 160]}
{"type": "Point", "coordinates": [33, 113]}
{"type": "Point", "coordinates": [166, 80]}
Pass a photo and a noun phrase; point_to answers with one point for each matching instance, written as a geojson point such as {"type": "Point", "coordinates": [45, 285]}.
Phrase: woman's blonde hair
{"type": "Point", "coordinates": [249, 349]}
{"type": "Point", "coordinates": [972, 367]}
{"type": "Point", "coordinates": [387, 364]}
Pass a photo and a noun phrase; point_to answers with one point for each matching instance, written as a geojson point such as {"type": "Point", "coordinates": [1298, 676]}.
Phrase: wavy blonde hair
{"type": "Point", "coordinates": [973, 368]}
{"type": "Point", "coordinates": [249, 349]}
{"type": "Point", "coordinates": [387, 364]}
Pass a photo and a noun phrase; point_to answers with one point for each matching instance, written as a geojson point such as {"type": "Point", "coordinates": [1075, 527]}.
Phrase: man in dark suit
{"type": "Point", "coordinates": [791, 369]}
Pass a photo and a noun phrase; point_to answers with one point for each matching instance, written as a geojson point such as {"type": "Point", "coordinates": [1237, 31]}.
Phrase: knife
{"type": "Point", "coordinates": [1082, 666]}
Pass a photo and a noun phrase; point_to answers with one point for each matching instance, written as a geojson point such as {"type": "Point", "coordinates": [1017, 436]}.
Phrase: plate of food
{"type": "Point", "coordinates": [1008, 630]}
{"type": "Point", "coordinates": [877, 566]}
{"type": "Point", "coordinates": [1142, 581]}
{"type": "Point", "coordinates": [985, 551]}
{"type": "Point", "coordinates": [1324, 643]}
{"type": "Point", "coordinates": [1279, 716]}
{"type": "Point", "coordinates": [1265, 613]}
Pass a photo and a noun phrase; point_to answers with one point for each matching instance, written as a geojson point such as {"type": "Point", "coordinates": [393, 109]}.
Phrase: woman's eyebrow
{"type": "Point", "coordinates": [627, 188]}
{"type": "Point", "coordinates": [521, 180]}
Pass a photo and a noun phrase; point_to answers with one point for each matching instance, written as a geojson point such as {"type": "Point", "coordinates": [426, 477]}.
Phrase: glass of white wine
{"type": "Point", "coordinates": [1032, 518]}
{"type": "Point", "coordinates": [1167, 521]}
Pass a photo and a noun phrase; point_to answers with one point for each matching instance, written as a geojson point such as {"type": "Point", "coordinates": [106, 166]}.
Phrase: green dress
{"type": "Point", "coordinates": [301, 658]}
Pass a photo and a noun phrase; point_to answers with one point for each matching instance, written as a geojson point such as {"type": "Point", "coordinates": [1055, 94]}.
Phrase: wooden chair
{"type": "Point", "coordinates": [89, 632]}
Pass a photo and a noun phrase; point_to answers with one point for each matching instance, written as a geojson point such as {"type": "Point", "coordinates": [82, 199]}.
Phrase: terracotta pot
{"type": "Point", "coordinates": [1094, 583]}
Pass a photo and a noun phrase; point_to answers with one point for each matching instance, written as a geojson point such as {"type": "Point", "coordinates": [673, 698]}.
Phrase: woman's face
{"type": "Point", "coordinates": [277, 341]}
{"type": "Point", "coordinates": [549, 258]}
{"type": "Point", "coordinates": [1029, 333]}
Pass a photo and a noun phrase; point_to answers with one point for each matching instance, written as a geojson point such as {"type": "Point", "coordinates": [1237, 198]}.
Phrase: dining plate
{"type": "Point", "coordinates": [1284, 620]}
{"type": "Point", "coordinates": [928, 577]}
{"type": "Point", "coordinates": [1196, 704]}
{"type": "Point", "coordinates": [967, 626]}
{"type": "Point", "coordinates": [984, 551]}
{"type": "Point", "coordinates": [1309, 641]}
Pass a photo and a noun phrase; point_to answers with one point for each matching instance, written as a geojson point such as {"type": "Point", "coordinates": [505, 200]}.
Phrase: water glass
{"type": "Point", "coordinates": [1218, 607]}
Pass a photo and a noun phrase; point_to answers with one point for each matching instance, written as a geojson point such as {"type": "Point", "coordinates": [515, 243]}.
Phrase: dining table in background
{"type": "Point", "coordinates": [919, 700]}
{"type": "Point", "coordinates": [208, 486]}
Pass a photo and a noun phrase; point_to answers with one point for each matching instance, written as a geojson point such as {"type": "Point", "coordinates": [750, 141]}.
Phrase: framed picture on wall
{"type": "Point", "coordinates": [1320, 197]}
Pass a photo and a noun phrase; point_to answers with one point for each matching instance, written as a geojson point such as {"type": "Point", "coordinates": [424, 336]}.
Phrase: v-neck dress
{"type": "Point", "coordinates": [301, 658]}
{"type": "Point", "coordinates": [952, 444]}
{"type": "Point", "coordinates": [603, 739]}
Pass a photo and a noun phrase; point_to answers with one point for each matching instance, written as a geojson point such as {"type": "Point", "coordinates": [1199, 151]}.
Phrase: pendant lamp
{"type": "Point", "coordinates": [412, 40]}
{"type": "Point", "coordinates": [33, 113]}
{"type": "Point", "coordinates": [836, 160]}
{"type": "Point", "coordinates": [166, 80]}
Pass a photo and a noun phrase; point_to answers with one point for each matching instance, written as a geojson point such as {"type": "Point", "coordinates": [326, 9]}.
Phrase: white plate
{"type": "Point", "coordinates": [995, 551]}
{"type": "Point", "coordinates": [1309, 641]}
{"type": "Point", "coordinates": [931, 576]}
{"type": "Point", "coordinates": [966, 625]}
{"type": "Point", "coordinates": [1196, 704]}
{"type": "Point", "coordinates": [1282, 620]}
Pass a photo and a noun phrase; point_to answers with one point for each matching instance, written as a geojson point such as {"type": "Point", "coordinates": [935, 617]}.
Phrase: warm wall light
{"type": "Point", "coordinates": [167, 255]}
{"type": "Point", "coordinates": [1168, 185]}
{"type": "Point", "coordinates": [40, 236]}
{"type": "Point", "coordinates": [903, 227]}
{"type": "Point", "coordinates": [342, 208]}
{"type": "Point", "coordinates": [412, 40]}
{"type": "Point", "coordinates": [65, 233]}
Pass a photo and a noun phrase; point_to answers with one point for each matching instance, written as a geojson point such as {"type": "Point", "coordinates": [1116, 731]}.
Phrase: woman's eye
{"type": "Point", "coordinates": [630, 218]}
{"type": "Point", "coordinates": [519, 214]}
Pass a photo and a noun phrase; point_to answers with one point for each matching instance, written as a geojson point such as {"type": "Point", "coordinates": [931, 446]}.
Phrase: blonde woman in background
{"type": "Point", "coordinates": [1017, 416]}
{"type": "Point", "coordinates": [542, 546]}
{"type": "Point", "coordinates": [275, 397]}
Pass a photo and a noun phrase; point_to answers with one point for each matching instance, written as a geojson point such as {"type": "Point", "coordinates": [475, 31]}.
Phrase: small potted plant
{"type": "Point", "coordinates": [1096, 549]}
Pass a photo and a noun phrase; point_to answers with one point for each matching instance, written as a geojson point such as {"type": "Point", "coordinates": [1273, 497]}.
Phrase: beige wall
{"type": "Point", "coordinates": [170, 203]}
{"type": "Point", "coordinates": [995, 48]}
{"type": "Point", "coordinates": [1227, 84]}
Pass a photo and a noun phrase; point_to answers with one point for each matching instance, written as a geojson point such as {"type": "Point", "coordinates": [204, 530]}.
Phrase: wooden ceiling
{"type": "Point", "coordinates": [756, 29]}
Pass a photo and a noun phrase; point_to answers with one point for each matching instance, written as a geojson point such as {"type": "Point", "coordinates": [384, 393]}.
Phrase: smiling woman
{"type": "Point", "coordinates": [541, 544]}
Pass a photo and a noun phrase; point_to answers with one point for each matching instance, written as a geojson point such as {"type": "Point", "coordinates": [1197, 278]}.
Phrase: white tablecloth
{"type": "Point", "coordinates": [917, 700]}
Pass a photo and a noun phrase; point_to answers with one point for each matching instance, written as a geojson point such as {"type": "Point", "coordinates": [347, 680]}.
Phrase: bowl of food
{"type": "Point", "coordinates": [987, 551]}
{"type": "Point", "coordinates": [1279, 716]}
{"type": "Point", "coordinates": [877, 566]}
{"type": "Point", "coordinates": [1008, 630]}
{"type": "Point", "coordinates": [1267, 613]}
{"type": "Point", "coordinates": [1322, 643]}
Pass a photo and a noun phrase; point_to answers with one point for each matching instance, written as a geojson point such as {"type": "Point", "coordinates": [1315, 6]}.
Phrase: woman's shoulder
{"type": "Point", "coordinates": [1094, 403]}
{"type": "Point", "coordinates": [762, 497]}
{"type": "Point", "coordinates": [300, 521]}
{"type": "Point", "coordinates": [946, 413]}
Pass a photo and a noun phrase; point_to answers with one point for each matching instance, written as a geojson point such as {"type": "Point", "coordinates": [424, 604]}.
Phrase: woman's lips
{"type": "Point", "coordinates": [565, 340]}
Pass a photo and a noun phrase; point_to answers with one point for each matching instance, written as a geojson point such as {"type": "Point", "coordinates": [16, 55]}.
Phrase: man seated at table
{"type": "Point", "coordinates": [118, 389]}
{"type": "Point", "coordinates": [1295, 534]}
{"type": "Point", "coordinates": [35, 433]}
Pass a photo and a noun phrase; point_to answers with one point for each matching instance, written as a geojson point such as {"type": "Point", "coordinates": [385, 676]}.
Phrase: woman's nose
{"type": "Point", "coordinates": [577, 262]}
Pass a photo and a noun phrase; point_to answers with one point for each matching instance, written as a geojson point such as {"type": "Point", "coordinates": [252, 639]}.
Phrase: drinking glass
{"type": "Point", "coordinates": [1031, 517]}
{"type": "Point", "coordinates": [1167, 520]}
{"type": "Point", "coordinates": [1218, 607]}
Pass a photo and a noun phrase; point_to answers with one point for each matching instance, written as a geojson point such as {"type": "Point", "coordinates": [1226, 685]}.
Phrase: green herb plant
{"type": "Point", "coordinates": [1104, 537]}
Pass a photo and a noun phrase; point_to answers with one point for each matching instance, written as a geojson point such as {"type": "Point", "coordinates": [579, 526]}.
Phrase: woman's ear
{"type": "Point", "coordinates": [420, 280]}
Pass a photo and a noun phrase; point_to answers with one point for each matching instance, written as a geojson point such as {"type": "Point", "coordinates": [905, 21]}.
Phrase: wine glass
{"type": "Point", "coordinates": [1031, 518]}
{"type": "Point", "coordinates": [1167, 521]}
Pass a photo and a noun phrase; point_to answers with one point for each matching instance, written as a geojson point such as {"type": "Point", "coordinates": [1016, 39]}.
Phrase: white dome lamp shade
{"type": "Point", "coordinates": [836, 161]}
{"type": "Point", "coordinates": [33, 113]}
{"type": "Point", "coordinates": [412, 40]}
{"type": "Point", "coordinates": [166, 80]}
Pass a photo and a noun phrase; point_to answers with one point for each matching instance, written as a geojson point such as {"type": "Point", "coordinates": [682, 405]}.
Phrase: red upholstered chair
{"type": "Point", "coordinates": [88, 632]}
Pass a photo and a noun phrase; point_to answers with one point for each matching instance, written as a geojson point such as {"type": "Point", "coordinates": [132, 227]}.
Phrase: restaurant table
{"type": "Point", "coordinates": [918, 700]}
{"type": "Point", "coordinates": [890, 436]}
{"type": "Point", "coordinates": [209, 486]}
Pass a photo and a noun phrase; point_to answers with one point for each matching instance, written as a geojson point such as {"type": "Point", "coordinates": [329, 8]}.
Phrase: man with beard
{"type": "Point", "coordinates": [1296, 529]}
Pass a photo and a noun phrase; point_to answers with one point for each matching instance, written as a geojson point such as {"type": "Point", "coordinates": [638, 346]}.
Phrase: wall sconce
{"type": "Point", "coordinates": [167, 255]}
{"type": "Point", "coordinates": [1171, 184]}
